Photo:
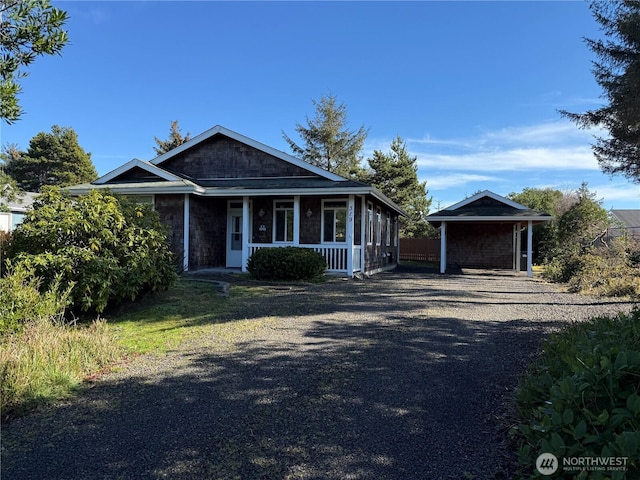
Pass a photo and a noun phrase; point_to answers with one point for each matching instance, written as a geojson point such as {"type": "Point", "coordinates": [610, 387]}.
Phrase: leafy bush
{"type": "Point", "coordinates": [582, 397]}
{"type": "Point", "coordinates": [286, 263]}
{"type": "Point", "coordinates": [107, 248]}
{"type": "Point", "coordinates": [21, 301]}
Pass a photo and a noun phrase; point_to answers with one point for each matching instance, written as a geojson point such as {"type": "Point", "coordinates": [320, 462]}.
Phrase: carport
{"type": "Point", "coordinates": [485, 231]}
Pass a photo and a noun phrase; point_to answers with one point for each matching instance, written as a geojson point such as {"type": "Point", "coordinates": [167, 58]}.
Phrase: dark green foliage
{"type": "Point", "coordinates": [175, 139]}
{"type": "Point", "coordinates": [396, 175]}
{"type": "Point", "coordinates": [617, 71]}
{"type": "Point", "coordinates": [110, 249]}
{"type": "Point", "coordinates": [54, 158]}
{"type": "Point", "coordinates": [286, 263]}
{"type": "Point", "coordinates": [327, 141]}
{"type": "Point", "coordinates": [582, 397]}
{"type": "Point", "coordinates": [30, 28]}
{"type": "Point", "coordinates": [544, 200]}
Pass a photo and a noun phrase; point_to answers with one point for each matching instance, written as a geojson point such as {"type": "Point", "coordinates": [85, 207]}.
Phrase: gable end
{"type": "Point", "coordinates": [221, 157]}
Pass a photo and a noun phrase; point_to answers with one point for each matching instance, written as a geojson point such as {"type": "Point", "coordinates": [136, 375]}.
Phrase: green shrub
{"type": "Point", "coordinates": [286, 263]}
{"type": "Point", "coordinates": [21, 300]}
{"type": "Point", "coordinates": [582, 397]}
{"type": "Point", "coordinates": [109, 249]}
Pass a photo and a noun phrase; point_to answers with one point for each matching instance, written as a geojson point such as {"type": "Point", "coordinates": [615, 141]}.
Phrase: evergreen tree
{"type": "Point", "coordinates": [546, 200]}
{"type": "Point", "coordinates": [53, 158]}
{"type": "Point", "coordinates": [617, 71]}
{"type": "Point", "coordinates": [396, 175]}
{"type": "Point", "coordinates": [327, 142]}
{"type": "Point", "coordinates": [175, 139]}
{"type": "Point", "coordinates": [28, 29]}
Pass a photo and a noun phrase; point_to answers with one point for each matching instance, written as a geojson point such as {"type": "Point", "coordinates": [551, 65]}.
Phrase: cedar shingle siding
{"type": "Point", "coordinates": [484, 245]}
{"type": "Point", "coordinates": [222, 157]}
{"type": "Point", "coordinates": [208, 229]}
{"type": "Point", "coordinates": [170, 208]}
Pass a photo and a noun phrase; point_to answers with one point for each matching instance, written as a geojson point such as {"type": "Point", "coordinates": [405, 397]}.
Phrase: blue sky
{"type": "Point", "coordinates": [472, 87]}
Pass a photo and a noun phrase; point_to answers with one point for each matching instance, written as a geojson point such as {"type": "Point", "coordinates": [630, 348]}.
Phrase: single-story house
{"type": "Point", "coordinates": [485, 231]}
{"type": "Point", "coordinates": [224, 196]}
{"type": "Point", "coordinates": [12, 211]}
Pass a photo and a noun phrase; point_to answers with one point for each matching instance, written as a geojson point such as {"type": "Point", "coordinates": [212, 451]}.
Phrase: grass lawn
{"type": "Point", "coordinates": [160, 321]}
{"type": "Point", "coordinates": [49, 361]}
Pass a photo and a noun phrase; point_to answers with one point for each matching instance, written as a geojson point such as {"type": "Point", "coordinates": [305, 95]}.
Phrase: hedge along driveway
{"type": "Point", "coordinates": [406, 375]}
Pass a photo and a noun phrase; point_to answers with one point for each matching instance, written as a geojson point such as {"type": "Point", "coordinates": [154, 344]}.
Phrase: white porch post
{"type": "Point", "coordinates": [529, 248]}
{"type": "Point", "coordinates": [443, 247]}
{"type": "Point", "coordinates": [246, 233]}
{"type": "Point", "coordinates": [518, 246]}
{"type": "Point", "coordinates": [185, 234]}
{"type": "Point", "coordinates": [363, 233]}
{"type": "Point", "coordinates": [296, 220]}
{"type": "Point", "coordinates": [351, 207]}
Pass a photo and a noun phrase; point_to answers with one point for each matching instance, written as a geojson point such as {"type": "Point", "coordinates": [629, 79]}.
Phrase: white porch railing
{"type": "Point", "coordinates": [335, 256]}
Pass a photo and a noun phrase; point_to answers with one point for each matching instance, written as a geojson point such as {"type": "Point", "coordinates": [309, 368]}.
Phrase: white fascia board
{"type": "Point", "coordinates": [262, 192]}
{"type": "Point", "coordinates": [444, 218]}
{"type": "Point", "coordinates": [266, 192]}
{"type": "Point", "coordinates": [218, 129]}
{"type": "Point", "coordinates": [136, 162]}
{"type": "Point", "coordinates": [487, 193]}
{"type": "Point", "coordinates": [150, 188]}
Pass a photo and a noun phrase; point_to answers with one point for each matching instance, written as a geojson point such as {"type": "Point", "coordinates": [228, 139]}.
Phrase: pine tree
{"type": "Point", "coordinates": [327, 142]}
{"type": "Point", "coordinates": [396, 175]}
{"type": "Point", "coordinates": [175, 139]}
{"type": "Point", "coordinates": [54, 158]}
{"type": "Point", "coordinates": [28, 29]}
{"type": "Point", "coordinates": [617, 71]}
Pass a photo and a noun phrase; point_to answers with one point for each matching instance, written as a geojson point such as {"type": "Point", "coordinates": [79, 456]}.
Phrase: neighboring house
{"type": "Point", "coordinates": [224, 196]}
{"type": "Point", "coordinates": [12, 212]}
{"type": "Point", "coordinates": [485, 231]}
{"type": "Point", "coordinates": [625, 222]}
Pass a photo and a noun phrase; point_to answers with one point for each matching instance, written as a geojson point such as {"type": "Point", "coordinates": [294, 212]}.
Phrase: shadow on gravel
{"type": "Point", "coordinates": [359, 383]}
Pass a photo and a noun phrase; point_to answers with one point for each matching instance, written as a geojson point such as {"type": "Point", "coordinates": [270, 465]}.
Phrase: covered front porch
{"type": "Point", "coordinates": [225, 232]}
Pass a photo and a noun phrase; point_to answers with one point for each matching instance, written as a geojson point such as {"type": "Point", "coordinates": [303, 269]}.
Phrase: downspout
{"type": "Point", "coordinates": [185, 234]}
{"type": "Point", "coordinates": [363, 232]}
{"type": "Point", "coordinates": [350, 236]}
{"type": "Point", "coordinates": [529, 248]}
{"type": "Point", "coordinates": [245, 232]}
{"type": "Point", "coordinates": [443, 247]}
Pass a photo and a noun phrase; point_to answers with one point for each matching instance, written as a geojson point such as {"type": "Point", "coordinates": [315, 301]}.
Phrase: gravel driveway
{"type": "Point", "coordinates": [406, 375]}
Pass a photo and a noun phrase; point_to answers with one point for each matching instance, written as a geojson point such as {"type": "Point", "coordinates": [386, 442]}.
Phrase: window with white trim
{"type": "Point", "coordinates": [283, 221]}
{"type": "Point", "coordinates": [378, 226]}
{"type": "Point", "coordinates": [334, 221]}
{"type": "Point", "coordinates": [395, 232]}
{"type": "Point", "coordinates": [388, 225]}
{"type": "Point", "coordinates": [369, 223]}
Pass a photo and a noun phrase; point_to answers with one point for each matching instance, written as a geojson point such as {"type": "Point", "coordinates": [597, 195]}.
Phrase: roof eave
{"type": "Point", "coordinates": [496, 218]}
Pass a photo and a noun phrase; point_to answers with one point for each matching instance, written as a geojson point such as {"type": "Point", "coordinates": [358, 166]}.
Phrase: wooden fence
{"type": "Point", "coordinates": [420, 249]}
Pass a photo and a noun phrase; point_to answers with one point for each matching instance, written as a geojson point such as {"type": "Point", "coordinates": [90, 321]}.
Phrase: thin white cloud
{"type": "Point", "coordinates": [516, 159]}
{"type": "Point", "coordinates": [442, 182]}
{"type": "Point", "coordinates": [618, 192]}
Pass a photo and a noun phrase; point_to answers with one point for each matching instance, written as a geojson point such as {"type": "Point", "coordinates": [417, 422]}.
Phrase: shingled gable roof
{"type": "Point", "coordinates": [319, 181]}
{"type": "Point", "coordinates": [487, 206]}
{"type": "Point", "coordinates": [141, 164]}
{"type": "Point", "coordinates": [218, 129]}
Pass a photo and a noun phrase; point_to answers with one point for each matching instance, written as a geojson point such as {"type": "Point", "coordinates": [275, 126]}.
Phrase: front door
{"type": "Point", "coordinates": [234, 235]}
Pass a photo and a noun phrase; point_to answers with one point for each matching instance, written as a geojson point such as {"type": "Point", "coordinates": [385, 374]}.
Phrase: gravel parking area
{"type": "Point", "coordinates": [406, 375]}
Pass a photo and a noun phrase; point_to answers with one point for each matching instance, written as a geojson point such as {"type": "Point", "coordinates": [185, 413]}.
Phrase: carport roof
{"type": "Point", "coordinates": [487, 206]}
